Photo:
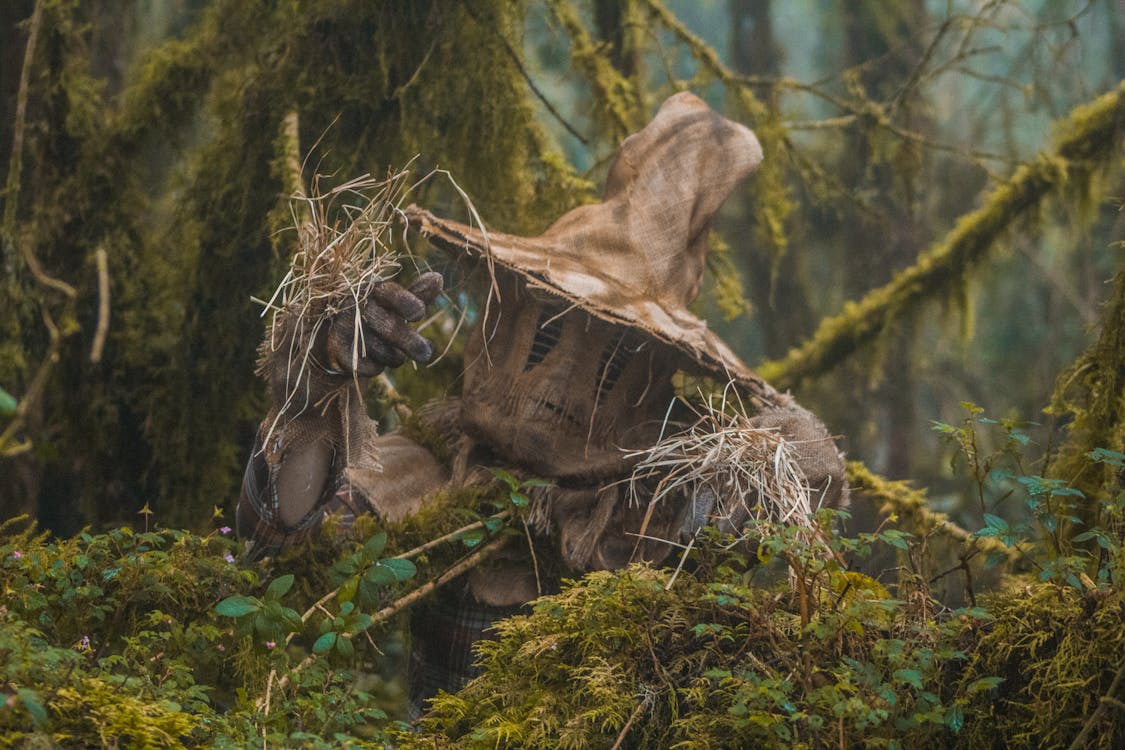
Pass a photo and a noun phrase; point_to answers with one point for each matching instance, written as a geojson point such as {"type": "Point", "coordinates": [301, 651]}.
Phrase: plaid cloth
{"type": "Point", "coordinates": [257, 519]}
{"type": "Point", "coordinates": [442, 633]}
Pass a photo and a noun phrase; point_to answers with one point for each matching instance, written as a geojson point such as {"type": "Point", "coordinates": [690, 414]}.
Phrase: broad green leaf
{"type": "Point", "coordinates": [375, 546]}
{"type": "Point", "coordinates": [996, 522]}
{"type": "Point", "coordinates": [471, 538]}
{"type": "Point", "coordinates": [955, 719]}
{"type": "Point", "coordinates": [8, 402]}
{"type": "Point", "coordinates": [237, 606]}
{"type": "Point", "coordinates": [379, 575]}
{"type": "Point", "coordinates": [896, 538]}
{"type": "Point", "coordinates": [518, 499]}
{"type": "Point", "coordinates": [324, 643]}
{"type": "Point", "coordinates": [1104, 455]}
{"type": "Point", "coordinates": [34, 705]}
{"type": "Point", "coordinates": [506, 477]}
{"type": "Point", "coordinates": [911, 677]}
{"type": "Point", "coordinates": [403, 570]}
{"type": "Point", "coordinates": [290, 619]}
{"type": "Point", "coordinates": [279, 587]}
{"type": "Point", "coordinates": [347, 589]}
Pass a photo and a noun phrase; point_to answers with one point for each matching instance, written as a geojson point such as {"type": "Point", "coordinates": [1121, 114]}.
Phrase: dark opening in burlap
{"type": "Point", "coordinates": [560, 392]}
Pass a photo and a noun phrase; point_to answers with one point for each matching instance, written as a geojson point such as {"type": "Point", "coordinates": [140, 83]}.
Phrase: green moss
{"type": "Point", "coordinates": [182, 179]}
{"type": "Point", "coordinates": [1088, 142]}
{"type": "Point", "coordinates": [1092, 392]}
{"type": "Point", "coordinates": [628, 659]}
{"type": "Point", "coordinates": [1057, 651]}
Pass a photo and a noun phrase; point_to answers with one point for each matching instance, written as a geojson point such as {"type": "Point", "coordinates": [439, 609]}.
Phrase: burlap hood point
{"type": "Point", "coordinates": [637, 258]}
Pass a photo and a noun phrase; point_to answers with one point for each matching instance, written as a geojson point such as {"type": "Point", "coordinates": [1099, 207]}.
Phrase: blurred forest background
{"type": "Point", "coordinates": [930, 257]}
{"type": "Point", "coordinates": [150, 150]}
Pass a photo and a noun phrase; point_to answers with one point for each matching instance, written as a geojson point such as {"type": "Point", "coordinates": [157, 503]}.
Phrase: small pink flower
{"type": "Point", "coordinates": [84, 643]}
{"type": "Point", "coordinates": [224, 529]}
{"type": "Point", "coordinates": [16, 554]}
{"type": "Point", "coordinates": [228, 557]}
{"type": "Point", "coordinates": [270, 644]}
{"type": "Point", "coordinates": [222, 647]}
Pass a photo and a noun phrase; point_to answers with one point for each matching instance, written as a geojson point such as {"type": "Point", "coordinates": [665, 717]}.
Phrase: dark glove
{"type": "Point", "coordinates": [303, 372]}
{"type": "Point", "coordinates": [385, 338]}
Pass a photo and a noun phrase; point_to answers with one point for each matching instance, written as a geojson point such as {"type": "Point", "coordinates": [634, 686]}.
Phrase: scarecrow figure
{"type": "Point", "coordinates": [568, 378]}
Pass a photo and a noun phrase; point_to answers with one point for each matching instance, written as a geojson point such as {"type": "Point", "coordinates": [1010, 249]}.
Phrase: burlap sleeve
{"type": "Point", "coordinates": [317, 431]}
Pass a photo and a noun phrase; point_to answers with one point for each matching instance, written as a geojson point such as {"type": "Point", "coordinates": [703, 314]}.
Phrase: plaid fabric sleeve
{"type": "Point", "coordinates": [442, 634]}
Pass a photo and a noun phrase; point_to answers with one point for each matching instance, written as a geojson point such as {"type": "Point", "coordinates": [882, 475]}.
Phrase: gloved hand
{"type": "Point", "coordinates": [386, 339]}
{"type": "Point", "coordinates": [301, 372]}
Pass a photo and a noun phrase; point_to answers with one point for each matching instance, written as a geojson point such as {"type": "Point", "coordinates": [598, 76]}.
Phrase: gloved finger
{"type": "Point", "coordinates": [427, 286]}
{"type": "Point", "coordinates": [393, 297]}
{"type": "Point", "coordinates": [346, 354]}
{"type": "Point", "coordinates": [381, 351]}
{"type": "Point", "coordinates": [393, 330]}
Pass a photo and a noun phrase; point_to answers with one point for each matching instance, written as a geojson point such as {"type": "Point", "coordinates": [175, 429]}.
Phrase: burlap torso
{"type": "Point", "coordinates": [559, 392]}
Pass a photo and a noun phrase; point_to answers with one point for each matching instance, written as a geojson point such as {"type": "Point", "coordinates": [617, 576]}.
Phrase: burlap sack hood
{"type": "Point", "coordinates": [637, 258]}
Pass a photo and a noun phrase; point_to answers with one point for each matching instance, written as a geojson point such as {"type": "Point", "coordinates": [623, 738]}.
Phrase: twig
{"type": "Point", "coordinates": [397, 606]}
{"type": "Point", "coordinates": [453, 535]}
{"type": "Point", "coordinates": [628, 725]}
{"type": "Point", "coordinates": [534, 558]}
{"type": "Point", "coordinates": [319, 603]}
{"type": "Point", "coordinates": [421, 592]}
{"type": "Point", "coordinates": [523, 72]}
{"type": "Point", "coordinates": [15, 165]}
{"type": "Point", "coordinates": [1105, 700]}
{"type": "Point", "coordinates": [103, 306]}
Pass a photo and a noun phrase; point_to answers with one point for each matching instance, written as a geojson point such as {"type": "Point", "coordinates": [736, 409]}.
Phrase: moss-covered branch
{"type": "Point", "coordinates": [620, 99]}
{"type": "Point", "coordinates": [1089, 141]}
{"type": "Point", "coordinates": [899, 498]}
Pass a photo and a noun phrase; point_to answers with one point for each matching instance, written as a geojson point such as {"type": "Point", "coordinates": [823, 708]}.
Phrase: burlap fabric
{"type": "Point", "coordinates": [572, 367]}
{"type": "Point", "coordinates": [816, 452]}
{"type": "Point", "coordinates": [637, 258]}
{"type": "Point", "coordinates": [561, 393]}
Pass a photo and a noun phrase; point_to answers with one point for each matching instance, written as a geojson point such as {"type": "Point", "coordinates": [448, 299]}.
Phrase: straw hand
{"type": "Point", "coordinates": [386, 338]}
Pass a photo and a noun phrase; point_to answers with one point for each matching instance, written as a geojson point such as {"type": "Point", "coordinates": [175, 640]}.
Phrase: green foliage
{"type": "Point", "coordinates": [1066, 536]}
{"type": "Point", "coordinates": [655, 659]}
{"type": "Point", "coordinates": [1058, 651]}
{"type": "Point", "coordinates": [161, 639]}
{"type": "Point", "coordinates": [715, 655]}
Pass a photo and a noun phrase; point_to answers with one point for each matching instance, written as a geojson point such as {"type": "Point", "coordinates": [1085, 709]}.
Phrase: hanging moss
{"type": "Point", "coordinates": [192, 240]}
{"type": "Point", "coordinates": [1092, 391]}
{"type": "Point", "coordinates": [911, 505]}
{"type": "Point", "coordinates": [619, 100]}
{"type": "Point", "coordinates": [1088, 145]}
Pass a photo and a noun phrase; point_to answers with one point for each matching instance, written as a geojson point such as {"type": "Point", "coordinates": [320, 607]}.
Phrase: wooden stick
{"type": "Point", "coordinates": [103, 306]}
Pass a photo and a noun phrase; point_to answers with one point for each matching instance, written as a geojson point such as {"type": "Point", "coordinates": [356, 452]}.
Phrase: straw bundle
{"type": "Point", "coordinates": [343, 252]}
{"type": "Point", "coordinates": [740, 473]}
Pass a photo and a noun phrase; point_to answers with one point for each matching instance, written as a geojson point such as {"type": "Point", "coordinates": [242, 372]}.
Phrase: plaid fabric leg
{"type": "Point", "coordinates": [442, 634]}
